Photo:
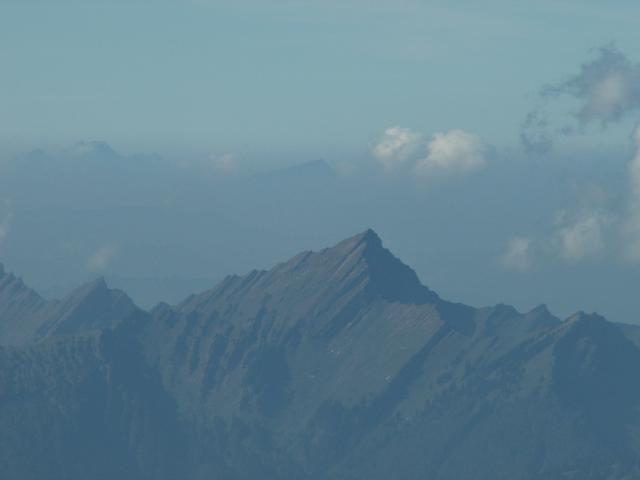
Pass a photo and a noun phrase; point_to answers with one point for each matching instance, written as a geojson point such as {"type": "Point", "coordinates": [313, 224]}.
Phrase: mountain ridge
{"type": "Point", "coordinates": [334, 364]}
{"type": "Point", "coordinates": [25, 316]}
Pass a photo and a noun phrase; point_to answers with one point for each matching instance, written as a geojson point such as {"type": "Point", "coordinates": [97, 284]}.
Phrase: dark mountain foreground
{"type": "Point", "coordinates": [338, 364]}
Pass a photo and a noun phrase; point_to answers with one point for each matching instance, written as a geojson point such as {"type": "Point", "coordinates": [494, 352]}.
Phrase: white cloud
{"type": "Point", "coordinates": [225, 164]}
{"type": "Point", "coordinates": [519, 255]}
{"type": "Point", "coordinates": [101, 258]}
{"type": "Point", "coordinates": [396, 146]}
{"type": "Point", "coordinates": [582, 237]}
{"type": "Point", "coordinates": [453, 152]}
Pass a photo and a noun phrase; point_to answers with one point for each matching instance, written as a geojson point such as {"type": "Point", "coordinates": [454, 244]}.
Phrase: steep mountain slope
{"type": "Point", "coordinates": [26, 317]}
{"type": "Point", "coordinates": [20, 309]}
{"type": "Point", "coordinates": [338, 364]}
{"type": "Point", "coordinates": [84, 407]}
{"type": "Point", "coordinates": [91, 307]}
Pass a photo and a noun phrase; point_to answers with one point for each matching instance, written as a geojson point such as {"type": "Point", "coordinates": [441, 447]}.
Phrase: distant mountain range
{"type": "Point", "coordinates": [337, 364]}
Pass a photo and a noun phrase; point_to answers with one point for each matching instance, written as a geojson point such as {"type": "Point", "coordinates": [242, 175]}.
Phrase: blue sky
{"type": "Point", "coordinates": [494, 145]}
{"type": "Point", "coordinates": [319, 78]}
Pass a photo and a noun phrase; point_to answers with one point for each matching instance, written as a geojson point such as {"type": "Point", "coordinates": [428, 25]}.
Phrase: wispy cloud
{"type": "Point", "coordinates": [574, 237]}
{"type": "Point", "coordinates": [518, 255]}
{"type": "Point", "coordinates": [535, 136]}
{"type": "Point", "coordinates": [605, 90]}
{"type": "Point", "coordinates": [101, 258]}
{"type": "Point", "coordinates": [583, 236]}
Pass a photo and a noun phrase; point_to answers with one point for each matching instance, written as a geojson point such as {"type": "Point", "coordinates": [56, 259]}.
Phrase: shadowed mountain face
{"type": "Point", "coordinates": [338, 364]}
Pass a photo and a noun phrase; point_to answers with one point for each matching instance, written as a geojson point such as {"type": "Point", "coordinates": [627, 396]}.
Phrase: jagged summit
{"type": "Point", "coordinates": [368, 238]}
{"type": "Point", "coordinates": [581, 317]}
{"type": "Point", "coordinates": [389, 277]}
{"type": "Point", "coordinates": [12, 287]}
{"type": "Point", "coordinates": [25, 316]}
{"type": "Point", "coordinates": [89, 307]}
{"type": "Point", "coordinates": [98, 284]}
{"type": "Point", "coordinates": [541, 309]}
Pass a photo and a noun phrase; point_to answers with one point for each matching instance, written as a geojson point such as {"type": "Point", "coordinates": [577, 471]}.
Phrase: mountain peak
{"type": "Point", "coordinates": [94, 288]}
{"type": "Point", "coordinates": [89, 307]}
{"type": "Point", "coordinates": [389, 277]}
{"type": "Point", "coordinates": [370, 238]}
{"type": "Point", "coordinates": [11, 284]}
{"type": "Point", "coordinates": [98, 284]}
{"type": "Point", "coordinates": [541, 311]}
{"type": "Point", "coordinates": [581, 317]}
{"type": "Point", "coordinates": [363, 242]}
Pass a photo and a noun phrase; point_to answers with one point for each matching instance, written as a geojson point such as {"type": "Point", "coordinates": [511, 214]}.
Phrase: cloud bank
{"type": "Point", "coordinates": [455, 152]}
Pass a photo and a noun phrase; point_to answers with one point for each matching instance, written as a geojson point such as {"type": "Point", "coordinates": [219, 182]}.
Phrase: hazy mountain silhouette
{"type": "Point", "coordinates": [336, 364]}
